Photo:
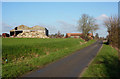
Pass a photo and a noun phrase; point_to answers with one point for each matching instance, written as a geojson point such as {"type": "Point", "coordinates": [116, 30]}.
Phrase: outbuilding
{"type": "Point", "coordinates": [23, 28]}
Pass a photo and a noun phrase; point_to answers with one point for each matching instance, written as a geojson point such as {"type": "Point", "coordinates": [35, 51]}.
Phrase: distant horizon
{"type": "Point", "coordinates": [44, 27]}
{"type": "Point", "coordinates": [56, 16]}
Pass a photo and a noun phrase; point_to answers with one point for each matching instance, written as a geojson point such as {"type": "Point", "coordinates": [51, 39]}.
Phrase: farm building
{"type": "Point", "coordinates": [24, 31]}
{"type": "Point", "coordinates": [78, 34]}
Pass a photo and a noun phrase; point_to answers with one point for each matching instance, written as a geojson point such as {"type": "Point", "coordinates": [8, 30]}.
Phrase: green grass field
{"type": "Point", "coordinates": [105, 64]}
{"type": "Point", "coordinates": [0, 56]}
{"type": "Point", "coordinates": [27, 54]}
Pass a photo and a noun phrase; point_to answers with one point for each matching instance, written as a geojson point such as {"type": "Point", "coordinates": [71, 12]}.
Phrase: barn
{"type": "Point", "coordinates": [24, 29]}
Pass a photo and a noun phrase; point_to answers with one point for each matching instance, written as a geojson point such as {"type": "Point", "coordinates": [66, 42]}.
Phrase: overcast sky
{"type": "Point", "coordinates": [55, 16]}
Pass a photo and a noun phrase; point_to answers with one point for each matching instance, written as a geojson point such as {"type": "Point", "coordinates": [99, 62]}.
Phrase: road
{"type": "Point", "coordinates": [70, 66]}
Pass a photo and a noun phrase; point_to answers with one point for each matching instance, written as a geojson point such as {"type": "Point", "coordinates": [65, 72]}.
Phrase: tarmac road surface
{"type": "Point", "coordinates": [70, 66]}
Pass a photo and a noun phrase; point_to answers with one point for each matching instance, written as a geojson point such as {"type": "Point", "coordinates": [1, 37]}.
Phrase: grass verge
{"type": "Point", "coordinates": [25, 54]}
{"type": "Point", "coordinates": [104, 65]}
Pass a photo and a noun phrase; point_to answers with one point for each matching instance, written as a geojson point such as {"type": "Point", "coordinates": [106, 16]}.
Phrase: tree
{"type": "Point", "coordinates": [97, 36]}
{"type": "Point", "coordinates": [87, 24]}
{"type": "Point", "coordinates": [112, 24]}
{"type": "Point", "coordinates": [58, 33]}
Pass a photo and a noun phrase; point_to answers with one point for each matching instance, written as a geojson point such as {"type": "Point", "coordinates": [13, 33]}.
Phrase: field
{"type": "Point", "coordinates": [105, 64]}
{"type": "Point", "coordinates": [0, 56]}
{"type": "Point", "coordinates": [27, 54]}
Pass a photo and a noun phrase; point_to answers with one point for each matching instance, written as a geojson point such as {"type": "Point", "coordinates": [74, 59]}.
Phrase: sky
{"type": "Point", "coordinates": [56, 16]}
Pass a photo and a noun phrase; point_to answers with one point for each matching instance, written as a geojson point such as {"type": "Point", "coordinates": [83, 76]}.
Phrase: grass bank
{"type": "Point", "coordinates": [105, 64]}
{"type": "Point", "coordinates": [27, 54]}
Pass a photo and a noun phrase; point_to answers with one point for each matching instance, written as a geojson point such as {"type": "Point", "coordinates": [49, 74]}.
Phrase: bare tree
{"type": "Point", "coordinates": [113, 26]}
{"type": "Point", "coordinates": [87, 24]}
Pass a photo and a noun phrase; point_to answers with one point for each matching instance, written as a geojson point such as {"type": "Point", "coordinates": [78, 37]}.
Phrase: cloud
{"type": "Point", "coordinates": [51, 28]}
{"type": "Point", "coordinates": [6, 27]}
{"type": "Point", "coordinates": [62, 26]}
{"type": "Point", "coordinates": [102, 31]}
{"type": "Point", "coordinates": [66, 27]}
{"type": "Point", "coordinates": [102, 17]}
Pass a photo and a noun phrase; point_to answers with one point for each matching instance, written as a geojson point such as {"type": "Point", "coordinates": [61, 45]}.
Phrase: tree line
{"type": "Point", "coordinates": [88, 24]}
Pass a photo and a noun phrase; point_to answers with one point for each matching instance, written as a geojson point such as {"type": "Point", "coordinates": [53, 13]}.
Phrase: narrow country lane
{"type": "Point", "coordinates": [70, 66]}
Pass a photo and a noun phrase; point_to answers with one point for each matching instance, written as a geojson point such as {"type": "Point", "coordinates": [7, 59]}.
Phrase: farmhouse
{"type": "Point", "coordinates": [24, 31]}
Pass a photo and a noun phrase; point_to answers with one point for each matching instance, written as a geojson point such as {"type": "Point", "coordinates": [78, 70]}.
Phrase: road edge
{"type": "Point", "coordinates": [89, 63]}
